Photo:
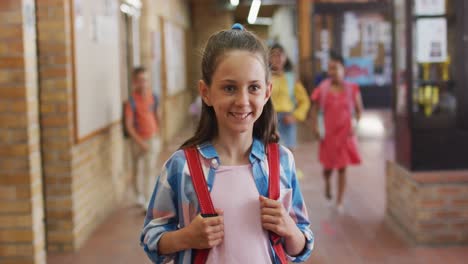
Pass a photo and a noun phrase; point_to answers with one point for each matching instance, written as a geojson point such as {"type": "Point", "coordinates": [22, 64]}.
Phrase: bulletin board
{"type": "Point", "coordinates": [175, 57]}
{"type": "Point", "coordinates": [95, 32]}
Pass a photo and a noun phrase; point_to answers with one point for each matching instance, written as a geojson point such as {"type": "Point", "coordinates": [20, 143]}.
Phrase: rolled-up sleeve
{"type": "Point", "coordinates": [298, 212]}
{"type": "Point", "coordinates": [162, 211]}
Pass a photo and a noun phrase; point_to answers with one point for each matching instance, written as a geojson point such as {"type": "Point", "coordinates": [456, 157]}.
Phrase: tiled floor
{"type": "Point", "coordinates": [359, 235]}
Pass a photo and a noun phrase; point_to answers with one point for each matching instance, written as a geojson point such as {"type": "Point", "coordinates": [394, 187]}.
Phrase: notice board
{"type": "Point", "coordinates": [95, 35]}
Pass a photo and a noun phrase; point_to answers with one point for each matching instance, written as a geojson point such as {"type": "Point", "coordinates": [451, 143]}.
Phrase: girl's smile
{"type": "Point", "coordinates": [240, 116]}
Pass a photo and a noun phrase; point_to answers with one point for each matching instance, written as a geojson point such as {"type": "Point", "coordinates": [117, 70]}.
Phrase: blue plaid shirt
{"type": "Point", "coordinates": [174, 202]}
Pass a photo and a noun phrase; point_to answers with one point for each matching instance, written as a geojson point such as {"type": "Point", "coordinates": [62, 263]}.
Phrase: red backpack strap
{"type": "Point", "coordinates": [203, 195]}
{"type": "Point", "coordinates": [274, 194]}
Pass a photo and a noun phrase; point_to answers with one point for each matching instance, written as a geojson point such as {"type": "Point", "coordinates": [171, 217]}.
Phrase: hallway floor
{"type": "Point", "coordinates": [358, 235]}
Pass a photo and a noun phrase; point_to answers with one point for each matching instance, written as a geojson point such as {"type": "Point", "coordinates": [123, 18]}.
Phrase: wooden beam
{"type": "Point", "coordinates": [304, 24]}
{"type": "Point", "coordinates": [333, 8]}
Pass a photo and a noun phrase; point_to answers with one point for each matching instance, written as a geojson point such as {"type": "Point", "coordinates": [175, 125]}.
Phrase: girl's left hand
{"type": "Point", "coordinates": [275, 218]}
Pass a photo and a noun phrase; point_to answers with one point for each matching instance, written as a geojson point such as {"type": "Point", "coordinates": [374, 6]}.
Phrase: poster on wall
{"type": "Point", "coordinates": [431, 40]}
{"type": "Point", "coordinates": [96, 68]}
{"type": "Point", "coordinates": [429, 7]}
{"type": "Point", "coordinates": [360, 70]}
{"type": "Point", "coordinates": [78, 15]}
{"type": "Point", "coordinates": [324, 50]}
{"type": "Point", "coordinates": [370, 37]}
{"type": "Point", "coordinates": [350, 33]}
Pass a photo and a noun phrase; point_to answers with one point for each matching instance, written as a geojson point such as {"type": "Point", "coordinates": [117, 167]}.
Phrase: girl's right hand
{"type": "Point", "coordinates": [203, 233]}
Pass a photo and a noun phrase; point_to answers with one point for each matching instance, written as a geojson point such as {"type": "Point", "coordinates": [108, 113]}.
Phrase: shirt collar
{"type": "Point", "coordinates": [258, 150]}
{"type": "Point", "coordinates": [208, 151]}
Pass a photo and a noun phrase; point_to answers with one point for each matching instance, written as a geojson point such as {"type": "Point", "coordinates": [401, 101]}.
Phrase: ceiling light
{"type": "Point", "coordinates": [234, 2]}
{"type": "Point", "coordinates": [253, 13]}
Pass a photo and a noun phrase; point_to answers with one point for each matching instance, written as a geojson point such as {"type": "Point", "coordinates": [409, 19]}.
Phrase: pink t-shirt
{"type": "Point", "coordinates": [245, 240]}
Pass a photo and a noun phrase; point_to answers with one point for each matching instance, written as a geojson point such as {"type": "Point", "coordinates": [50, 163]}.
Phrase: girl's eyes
{"type": "Point", "coordinates": [229, 88]}
{"type": "Point", "coordinates": [254, 88]}
{"type": "Point", "coordinates": [232, 88]}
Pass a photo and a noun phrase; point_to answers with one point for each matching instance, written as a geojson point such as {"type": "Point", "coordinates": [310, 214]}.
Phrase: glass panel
{"type": "Point", "coordinates": [364, 39]}
{"type": "Point", "coordinates": [434, 50]}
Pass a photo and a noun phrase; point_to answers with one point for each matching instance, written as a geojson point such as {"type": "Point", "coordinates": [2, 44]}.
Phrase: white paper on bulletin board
{"type": "Point", "coordinates": [431, 40]}
{"type": "Point", "coordinates": [97, 70]}
{"type": "Point", "coordinates": [429, 7]}
{"type": "Point", "coordinates": [174, 46]}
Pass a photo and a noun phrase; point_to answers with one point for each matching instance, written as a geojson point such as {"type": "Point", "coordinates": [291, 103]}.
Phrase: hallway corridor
{"type": "Point", "coordinates": [359, 235]}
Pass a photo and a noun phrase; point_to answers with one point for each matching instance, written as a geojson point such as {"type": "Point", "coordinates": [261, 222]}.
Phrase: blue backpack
{"type": "Point", "coordinates": [291, 79]}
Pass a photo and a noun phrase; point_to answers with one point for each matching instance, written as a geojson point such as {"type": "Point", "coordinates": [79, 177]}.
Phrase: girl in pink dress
{"type": "Point", "coordinates": [338, 101]}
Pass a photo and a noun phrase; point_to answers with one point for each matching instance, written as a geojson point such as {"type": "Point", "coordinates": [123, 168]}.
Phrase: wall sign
{"type": "Point", "coordinates": [429, 7]}
{"type": "Point", "coordinates": [431, 40]}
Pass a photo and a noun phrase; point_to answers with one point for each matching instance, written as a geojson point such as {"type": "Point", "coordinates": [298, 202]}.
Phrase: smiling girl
{"type": "Point", "coordinates": [237, 123]}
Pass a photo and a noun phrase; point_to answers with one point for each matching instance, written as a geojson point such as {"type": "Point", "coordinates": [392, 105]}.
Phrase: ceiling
{"type": "Point", "coordinates": [241, 12]}
{"type": "Point", "coordinates": [267, 8]}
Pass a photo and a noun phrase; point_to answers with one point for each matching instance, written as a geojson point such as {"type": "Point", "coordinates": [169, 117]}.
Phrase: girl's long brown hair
{"type": "Point", "coordinates": [218, 44]}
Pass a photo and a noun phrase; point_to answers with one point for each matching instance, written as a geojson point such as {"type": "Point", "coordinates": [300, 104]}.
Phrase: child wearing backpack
{"type": "Point", "coordinates": [142, 125]}
{"type": "Point", "coordinates": [230, 194]}
{"type": "Point", "coordinates": [289, 97]}
{"type": "Point", "coordinates": [335, 103]}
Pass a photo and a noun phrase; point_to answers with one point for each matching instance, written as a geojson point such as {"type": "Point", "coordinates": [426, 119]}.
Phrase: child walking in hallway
{"type": "Point", "coordinates": [335, 103]}
{"type": "Point", "coordinates": [142, 124]}
{"type": "Point", "coordinates": [232, 166]}
{"type": "Point", "coordinates": [289, 97]}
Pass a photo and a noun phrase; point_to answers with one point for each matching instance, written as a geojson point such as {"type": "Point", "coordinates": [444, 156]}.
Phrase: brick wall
{"type": "Point", "coordinates": [431, 208]}
{"type": "Point", "coordinates": [84, 181]}
{"type": "Point", "coordinates": [55, 80]}
{"type": "Point", "coordinates": [401, 190]}
{"type": "Point", "coordinates": [99, 181]}
{"type": "Point", "coordinates": [21, 204]}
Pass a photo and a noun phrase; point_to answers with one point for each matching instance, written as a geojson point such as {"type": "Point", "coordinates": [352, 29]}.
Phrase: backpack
{"type": "Point", "coordinates": [206, 205]}
{"type": "Point", "coordinates": [291, 79]}
{"type": "Point", "coordinates": [131, 101]}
